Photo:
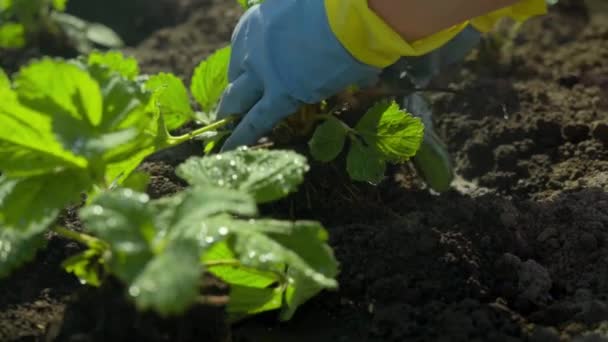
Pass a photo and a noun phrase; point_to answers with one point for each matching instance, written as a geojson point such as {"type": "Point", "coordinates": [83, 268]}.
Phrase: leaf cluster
{"type": "Point", "coordinates": [81, 127]}
{"type": "Point", "coordinates": [160, 248]}
{"type": "Point", "coordinates": [384, 134]}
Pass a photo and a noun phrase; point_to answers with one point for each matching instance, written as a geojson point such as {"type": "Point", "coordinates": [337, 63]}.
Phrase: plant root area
{"type": "Point", "coordinates": [517, 251]}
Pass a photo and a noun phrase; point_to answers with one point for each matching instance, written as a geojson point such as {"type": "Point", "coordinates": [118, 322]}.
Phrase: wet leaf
{"type": "Point", "coordinates": [169, 282]}
{"type": "Point", "coordinates": [266, 244]}
{"type": "Point", "coordinates": [160, 248]}
{"type": "Point", "coordinates": [18, 247]}
{"type": "Point", "coordinates": [266, 175]}
{"type": "Point", "coordinates": [223, 263]}
{"type": "Point", "coordinates": [123, 219]}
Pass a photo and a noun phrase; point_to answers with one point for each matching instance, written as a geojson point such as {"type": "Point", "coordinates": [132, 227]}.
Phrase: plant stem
{"type": "Point", "coordinates": [77, 236]}
{"type": "Point", "coordinates": [172, 140]}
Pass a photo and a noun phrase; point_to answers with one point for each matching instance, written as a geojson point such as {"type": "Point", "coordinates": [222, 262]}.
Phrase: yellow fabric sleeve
{"type": "Point", "coordinates": [370, 40]}
{"type": "Point", "coordinates": [520, 12]}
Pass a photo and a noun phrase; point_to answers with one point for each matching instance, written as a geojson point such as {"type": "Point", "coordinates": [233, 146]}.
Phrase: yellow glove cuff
{"type": "Point", "coordinates": [520, 12]}
{"type": "Point", "coordinates": [371, 41]}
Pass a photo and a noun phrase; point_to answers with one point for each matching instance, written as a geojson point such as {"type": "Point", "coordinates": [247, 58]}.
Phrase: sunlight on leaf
{"type": "Point", "coordinates": [210, 79]}
{"type": "Point", "coordinates": [267, 175]}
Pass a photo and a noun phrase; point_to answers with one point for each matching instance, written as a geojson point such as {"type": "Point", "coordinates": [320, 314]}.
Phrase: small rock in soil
{"type": "Point", "coordinates": [575, 132]}
{"type": "Point", "coordinates": [534, 282]}
{"type": "Point", "coordinates": [600, 132]}
{"type": "Point", "coordinates": [544, 334]}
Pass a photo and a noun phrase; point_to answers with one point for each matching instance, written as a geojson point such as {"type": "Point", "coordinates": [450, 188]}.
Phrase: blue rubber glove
{"type": "Point", "coordinates": [284, 54]}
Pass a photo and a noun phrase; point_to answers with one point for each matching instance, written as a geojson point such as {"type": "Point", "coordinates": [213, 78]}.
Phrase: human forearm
{"type": "Point", "coordinates": [417, 19]}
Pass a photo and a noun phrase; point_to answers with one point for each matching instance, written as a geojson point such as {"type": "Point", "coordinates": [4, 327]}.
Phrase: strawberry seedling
{"type": "Point", "coordinates": [81, 127]}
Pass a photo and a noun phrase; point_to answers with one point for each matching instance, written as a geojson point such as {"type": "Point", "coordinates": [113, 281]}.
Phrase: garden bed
{"type": "Point", "coordinates": [518, 252]}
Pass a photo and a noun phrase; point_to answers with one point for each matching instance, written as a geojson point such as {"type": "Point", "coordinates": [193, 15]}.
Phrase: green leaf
{"type": "Point", "coordinates": [265, 248]}
{"type": "Point", "coordinates": [172, 98]}
{"type": "Point", "coordinates": [37, 200]}
{"type": "Point", "coordinates": [200, 203]}
{"type": "Point", "coordinates": [123, 219]}
{"type": "Point", "coordinates": [266, 244]}
{"type": "Point", "coordinates": [299, 291]}
{"type": "Point", "coordinates": [433, 163]}
{"type": "Point", "coordinates": [87, 266]}
{"type": "Point", "coordinates": [160, 248]}
{"type": "Point", "coordinates": [115, 61]}
{"type": "Point", "coordinates": [64, 88]}
{"type": "Point", "coordinates": [18, 247]}
{"type": "Point", "coordinates": [210, 79]}
{"type": "Point", "coordinates": [137, 181]}
{"type": "Point", "coordinates": [12, 35]}
{"type": "Point", "coordinates": [266, 175]}
{"type": "Point", "coordinates": [47, 128]}
{"type": "Point", "coordinates": [246, 300]}
{"type": "Point", "coordinates": [5, 4]}
{"type": "Point", "coordinates": [127, 105]}
{"type": "Point", "coordinates": [364, 163]}
{"type": "Point", "coordinates": [395, 134]}
{"type": "Point", "coordinates": [118, 171]}
{"type": "Point", "coordinates": [59, 5]}
{"type": "Point", "coordinates": [220, 260]}
{"type": "Point", "coordinates": [155, 247]}
{"type": "Point", "coordinates": [169, 282]}
{"type": "Point", "coordinates": [5, 82]}
{"type": "Point", "coordinates": [328, 140]}
{"type": "Point", "coordinates": [103, 35]}
{"type": "Point", "coordinates": [27, 143]}
{"type": "Point", "coordinates": [250, 289]}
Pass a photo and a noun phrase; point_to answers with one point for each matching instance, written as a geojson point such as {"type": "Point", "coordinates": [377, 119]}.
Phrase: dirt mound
{"type": "Point", "coordinates": [535, 121]}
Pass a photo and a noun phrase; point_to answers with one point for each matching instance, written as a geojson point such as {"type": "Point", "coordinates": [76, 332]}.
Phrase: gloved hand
{"type": "Point", "coordinates": [284, 54]}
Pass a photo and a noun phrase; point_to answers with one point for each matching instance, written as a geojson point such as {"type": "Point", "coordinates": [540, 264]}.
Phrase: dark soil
{"type": "Point", "coordinates": [517, 252]}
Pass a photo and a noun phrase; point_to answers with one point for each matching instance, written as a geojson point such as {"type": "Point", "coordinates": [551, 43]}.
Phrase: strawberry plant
{"type": "Point", "coordinates": [384, 134]}
{"type": "Point", "coordinates": [78, 127]}
{"type": "Point", "coordinates": [81, 127]}
{"type": "Point", "coordinates": [160, 248]}
{"type": "Point", "coordinates": [35, 22]}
